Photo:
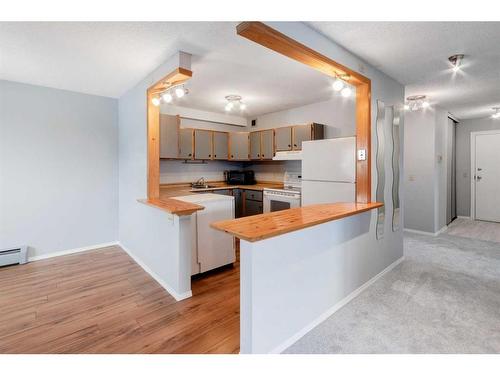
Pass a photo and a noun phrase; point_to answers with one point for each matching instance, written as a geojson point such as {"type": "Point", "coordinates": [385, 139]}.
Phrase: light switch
{"type": "Point", "coordinates": [361, 154]}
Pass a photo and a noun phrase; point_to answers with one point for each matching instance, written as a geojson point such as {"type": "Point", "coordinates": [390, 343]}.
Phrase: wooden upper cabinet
{"type": "Point", "coordinates": [186, 143]}
{"type": "Point", "coordinates": [220, 145]}
{"type": "Point", "coordinates": [239, 146]}
{"type": "Point", "coordinates": [267, 144]}
{"type": "Point", "coordinates": [255, 145]}
{"type": "Point", "coordinates": [309, 132]}
{"type": "Point", "coordinates": [169, 136]}
{"type": "Point", "coordinates": [202, 144]}
{"type": "Point", "coordinates": [283, 138]}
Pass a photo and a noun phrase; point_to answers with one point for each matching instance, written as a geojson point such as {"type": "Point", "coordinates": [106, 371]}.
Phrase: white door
{"type": "Point", "coordinates": [487, 177]}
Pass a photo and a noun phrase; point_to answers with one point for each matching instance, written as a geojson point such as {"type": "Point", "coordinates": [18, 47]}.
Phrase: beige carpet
{"type": "Point", "coordinates": [481, 230]}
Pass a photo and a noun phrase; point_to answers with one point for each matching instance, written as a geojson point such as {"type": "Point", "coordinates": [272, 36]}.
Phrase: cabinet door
{"type": "Point", "coordinates": [186, 139]}
{"type": "Point", "coordinates": [255, 145]}
{"type": "Point", "coordinates": [238, 146]}
{"type": "Point", "coordinates": [221, 146]}
{"type": "Point", "coordinates": [283, 138]}
{"type": "Point", "coordinates": [169, 136]}
{"type": "Point", "coordinates": [301, 133]}
{"type": "Point", "coordinates": [253, 207]}
{"type": "Point", "coordinates": [202, 144]}
{"type": "Point", "coordinates": [267, 144]}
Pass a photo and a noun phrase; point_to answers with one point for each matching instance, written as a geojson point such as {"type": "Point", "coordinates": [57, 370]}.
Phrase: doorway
{"type": "Point", "coordinates": [485, 175]}
{"type": "Point", "coordinates": [451, 168]}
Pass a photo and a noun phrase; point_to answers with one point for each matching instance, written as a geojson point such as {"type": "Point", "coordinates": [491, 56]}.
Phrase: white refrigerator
{"type": "Point", "coordinates": [329, 171]}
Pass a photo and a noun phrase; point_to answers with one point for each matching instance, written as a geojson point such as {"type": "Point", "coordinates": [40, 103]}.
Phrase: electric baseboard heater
{"type": "Point", "coordinates": [17, 255]}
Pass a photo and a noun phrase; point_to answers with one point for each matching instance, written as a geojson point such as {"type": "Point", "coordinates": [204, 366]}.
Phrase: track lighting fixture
{"type": "Point", "coordinates": [167, 96]}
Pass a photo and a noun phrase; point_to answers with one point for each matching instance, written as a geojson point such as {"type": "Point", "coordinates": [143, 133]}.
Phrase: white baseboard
{"type": "Point", "coordinates": [71, 251]}
{"type": "Point", "coordinates": [159, 280]}
{"type": "Point", "coordinates": [464, 217]}
{"type": "Point", "coordinates": [292, 340]}
{"type": "Point", "coordinates": [433, 234]}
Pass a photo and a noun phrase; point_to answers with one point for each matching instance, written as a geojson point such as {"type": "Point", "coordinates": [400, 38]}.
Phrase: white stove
{"type": "Point", "coordinates": [288, 197]}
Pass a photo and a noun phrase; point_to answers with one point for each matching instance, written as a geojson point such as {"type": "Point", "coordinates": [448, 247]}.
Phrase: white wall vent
{"type": "Point", "coordinates": [17, 255]}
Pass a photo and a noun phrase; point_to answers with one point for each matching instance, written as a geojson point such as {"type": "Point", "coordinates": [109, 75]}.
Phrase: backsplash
{"type": "Point", "coordinates": [172, 171]}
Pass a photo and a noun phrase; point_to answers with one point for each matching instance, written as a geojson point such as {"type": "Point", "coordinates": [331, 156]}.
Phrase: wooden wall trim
{"type": "Point", "coordinates": [278, 42]}
{"type": "Point", "coordinates": [175, 77]}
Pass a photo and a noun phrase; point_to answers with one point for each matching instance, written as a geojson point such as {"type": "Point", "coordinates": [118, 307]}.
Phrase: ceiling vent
{"type": "Point", "coordinates": [17, 255]}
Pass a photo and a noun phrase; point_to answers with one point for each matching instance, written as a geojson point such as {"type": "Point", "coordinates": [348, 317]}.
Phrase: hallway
{"type": "Point", "coordinates": [444, 298]}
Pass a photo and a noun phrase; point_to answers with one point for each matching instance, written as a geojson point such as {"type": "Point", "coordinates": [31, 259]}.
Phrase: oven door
{"type": "Point", "coordinates": [274, 201]}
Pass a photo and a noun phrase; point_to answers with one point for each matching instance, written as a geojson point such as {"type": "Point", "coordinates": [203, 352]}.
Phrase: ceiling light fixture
{"type": "Point", "coordinates": [156, 101]}
{"type": "Point", "coordinates": [167, 97]}
{"type": "Point", "coordinates": [496, 115]}
{"type": "Point", "coordinates": [416, 102]}
{"type": "Point", "coordinates": [346, 92]}
{"type": "Point", "coordinates": [234, 101]}
{"type": "Point", "coordinates": [456, 61]}
{"type": "Point", "coordinates": [340, 81]}
{"type": "Point", "coordinates": [180, 91]}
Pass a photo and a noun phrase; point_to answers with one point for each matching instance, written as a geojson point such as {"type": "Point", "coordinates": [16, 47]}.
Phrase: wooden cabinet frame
{"type": "Point", "coordinates": [280, 43]}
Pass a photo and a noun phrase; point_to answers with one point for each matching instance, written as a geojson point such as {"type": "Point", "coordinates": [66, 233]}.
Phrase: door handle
{"type": "Point", "coordinates": [480, 169]}
{"type": "Point", "coordinates": [478, 178]}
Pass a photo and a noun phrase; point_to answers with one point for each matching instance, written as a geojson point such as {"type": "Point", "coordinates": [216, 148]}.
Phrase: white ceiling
{"type": "Point", "coordinates": [416, 54]}
{"type": "Point", "coordinates": [109, 58]}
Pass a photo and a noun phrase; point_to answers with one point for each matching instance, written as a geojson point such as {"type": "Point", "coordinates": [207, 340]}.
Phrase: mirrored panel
{"type": "Point", "coordinates": [380, 123]}
{"type": "Point", "coordinates": [396, 126]}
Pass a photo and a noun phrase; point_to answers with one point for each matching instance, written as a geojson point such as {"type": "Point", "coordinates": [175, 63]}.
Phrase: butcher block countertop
{"type": "Point", "coordinates": [173, 206]}
{"type": "Point", "coordinates": [168, 192]}
{"type": "Point", "coordinates": [177, 190]}
{"type": "Point", "coordinates": [258, 227]}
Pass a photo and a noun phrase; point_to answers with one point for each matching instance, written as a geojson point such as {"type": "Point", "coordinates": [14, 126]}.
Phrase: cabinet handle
{"type": "Point", "coordinates": [232, 156]}
{"type": "Point", "coordinates": [258, 155]}
{"type": "Point", "coordinates": [209, 155]}
{"type": "Point", "coordinates": [189, 154]}
{"type": "Point", "coordinates": [215, 156]}
{"type": "Point", "coordinates": [294, 145]}
{"type": "Point", "coordinates": [288, 145]}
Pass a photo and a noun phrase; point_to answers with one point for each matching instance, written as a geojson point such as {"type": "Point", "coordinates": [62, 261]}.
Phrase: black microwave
{"type": "Point", "coordinates": [239, 177]}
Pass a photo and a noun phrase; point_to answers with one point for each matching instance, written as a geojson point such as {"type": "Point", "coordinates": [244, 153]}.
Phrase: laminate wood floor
{"type": "Point", "coordinates": [101, 301]}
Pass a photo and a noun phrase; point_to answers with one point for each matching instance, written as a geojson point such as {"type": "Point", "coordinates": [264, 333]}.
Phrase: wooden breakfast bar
{"type": "Point", "coordinates": [302, 263]}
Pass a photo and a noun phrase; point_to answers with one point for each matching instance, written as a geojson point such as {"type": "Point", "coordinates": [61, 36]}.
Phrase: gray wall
{"type": "Point", "coordinates": [58, 169]}
{"type": "Point", "coordinates": [419, 177]}
{"type": "Point", "coordinates": [426, 173]}
{"type": "Point", "coordinates": [464, 128]}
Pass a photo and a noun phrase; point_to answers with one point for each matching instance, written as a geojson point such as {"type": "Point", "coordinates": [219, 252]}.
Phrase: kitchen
{"type": "Point", "coordinates": [238, 152]}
